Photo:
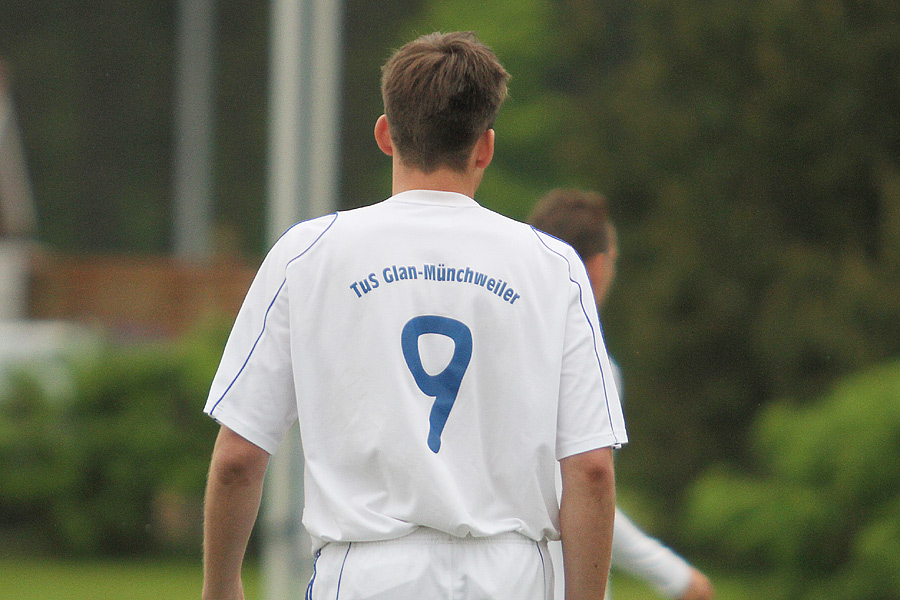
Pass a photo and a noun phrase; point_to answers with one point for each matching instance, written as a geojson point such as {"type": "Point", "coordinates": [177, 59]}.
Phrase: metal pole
{"type": "Point", "coordinates": [324, 106]}
{"type": "Point", "coordinates": [303, 162]}
{"type": "Point", "coordinates": [285, 107]}
{"type": "Point", "coordinates": [193, 213]}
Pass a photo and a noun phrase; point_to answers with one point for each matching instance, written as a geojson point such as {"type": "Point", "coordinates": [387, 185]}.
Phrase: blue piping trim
{"type": "Point", "coordinates": [341, 574]}
{"type": "Point", "coordinates": [315, 241]}
{"type": "Point", "coordinates": [538, 233]}
{"type": "Point", "coordinates": [543, 569]}
{"type": "Point", "coordinates": [266, 316]}
{"type": "Point", "coordinates": [246, 360]}
{"type": "Point", "coordinates": [312, 579]}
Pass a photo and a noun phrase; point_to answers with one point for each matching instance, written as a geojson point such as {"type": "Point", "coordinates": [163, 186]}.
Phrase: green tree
{"type": "Point", "coordinates": [750, 154]}
{"type": "Point", "coordinates": [820, 516]}
{"type": "Point", "coordinates": [109, 466]}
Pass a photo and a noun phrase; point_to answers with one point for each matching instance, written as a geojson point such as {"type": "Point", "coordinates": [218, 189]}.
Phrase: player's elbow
{"type": "Point", "coordinates": [233, 471]}
{"type": "Point", "coordinates": [237, 461]}
{"type": "Point", "coordinates": [592, 469]}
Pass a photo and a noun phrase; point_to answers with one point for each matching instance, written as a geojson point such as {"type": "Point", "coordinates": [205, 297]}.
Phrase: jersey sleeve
{"type": "Point", "coordinates": [252, 392]}
{"type": "Point", "coordinates": [590, 415]}
{"type": "Point", "coordinates": [635, 552]}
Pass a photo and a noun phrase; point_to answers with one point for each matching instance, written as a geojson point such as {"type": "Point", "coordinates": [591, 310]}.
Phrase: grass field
{"type": "Point", "coordinates": [37, 579]}
{"type": "Point", "coordinates": [40, 579]}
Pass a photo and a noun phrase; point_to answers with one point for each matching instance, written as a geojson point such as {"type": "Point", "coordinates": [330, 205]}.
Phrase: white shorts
{"type": "Point", "coordinates": [430, 565]}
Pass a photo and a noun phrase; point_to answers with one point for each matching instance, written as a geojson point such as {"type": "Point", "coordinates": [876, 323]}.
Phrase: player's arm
{"type": "Point", "coordinates": [586, 513]}
{"type": "Point", "coordinates": [233, 492]}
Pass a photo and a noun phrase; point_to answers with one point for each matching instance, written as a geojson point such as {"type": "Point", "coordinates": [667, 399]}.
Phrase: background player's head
{"type": "Point", "coordinates": [581, 218]}
{"type": "Point", "coordinates": [441, 93]}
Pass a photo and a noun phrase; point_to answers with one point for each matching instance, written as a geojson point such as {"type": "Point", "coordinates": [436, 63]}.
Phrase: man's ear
{"type": "Point", "coordinates": [383, 136]}
{"type": "Point", "coordinates": [484, 149]}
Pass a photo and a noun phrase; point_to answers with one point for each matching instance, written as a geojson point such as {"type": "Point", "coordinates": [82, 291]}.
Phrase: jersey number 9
{"type": "Point", "coordinates": [444, 386]}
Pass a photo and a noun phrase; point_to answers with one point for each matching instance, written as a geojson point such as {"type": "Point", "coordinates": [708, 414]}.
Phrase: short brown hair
{"type": "Point", "coordinates": [580, 218]}
{"type": "Point", "coordinates": [441, 92]}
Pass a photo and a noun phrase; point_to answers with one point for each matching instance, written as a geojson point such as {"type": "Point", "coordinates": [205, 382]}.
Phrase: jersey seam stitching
{"type": "Point", "coordinates": [266, 316]}
{"type": "Point", "coordinates": [537, 233]}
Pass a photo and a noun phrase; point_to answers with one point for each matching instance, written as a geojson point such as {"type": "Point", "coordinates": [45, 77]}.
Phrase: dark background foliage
{"type": "Point", "coordinates": [114, 461]}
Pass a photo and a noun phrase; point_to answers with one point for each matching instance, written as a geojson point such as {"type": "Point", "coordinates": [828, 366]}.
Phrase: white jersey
{"type": "Point", "coordinates": [440, 358]}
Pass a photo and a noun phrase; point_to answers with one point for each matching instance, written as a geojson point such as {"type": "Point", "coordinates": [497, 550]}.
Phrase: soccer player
{"type": "Point", "coordinates": [581, 218]}
{"type": "Point", "coordinates": [443, 362]}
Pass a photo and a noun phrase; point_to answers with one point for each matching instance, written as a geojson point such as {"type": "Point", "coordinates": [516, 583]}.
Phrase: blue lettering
{"type": "Point", "coordinates": [443, 387]}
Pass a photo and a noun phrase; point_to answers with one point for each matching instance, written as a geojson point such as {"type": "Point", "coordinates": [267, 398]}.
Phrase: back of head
{"type": "Point", "coordinates": [580, 218]}
{"type": "Point", "coordinates": [441, 92]}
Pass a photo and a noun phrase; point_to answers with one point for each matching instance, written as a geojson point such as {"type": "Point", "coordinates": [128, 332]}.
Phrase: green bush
{"type": "Point", "coordinates": [117, 465]}
{"type": "Point", "coordinates": [822, 513]}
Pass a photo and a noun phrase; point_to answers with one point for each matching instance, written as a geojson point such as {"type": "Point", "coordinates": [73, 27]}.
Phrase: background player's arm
{"type": "Point", "coordinates": [233, 493]}
{"type": "Point", "coordinates": [647, 558]}
{"type": "Point", "coordinates": [586, 517]}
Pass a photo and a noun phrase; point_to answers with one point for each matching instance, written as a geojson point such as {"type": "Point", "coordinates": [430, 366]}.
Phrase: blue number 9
{"type": "Point", "coordinates": [444, 386]}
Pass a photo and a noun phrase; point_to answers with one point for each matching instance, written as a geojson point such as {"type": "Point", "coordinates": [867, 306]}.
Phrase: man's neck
{"type": "Point", "coordinates": [441, 180]}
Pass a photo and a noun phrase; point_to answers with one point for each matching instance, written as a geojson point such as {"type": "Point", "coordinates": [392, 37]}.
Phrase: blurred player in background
{"type": "Point", "coordinates": [581, 218]}
{"type": "Point", "coordinates": [443, 361]}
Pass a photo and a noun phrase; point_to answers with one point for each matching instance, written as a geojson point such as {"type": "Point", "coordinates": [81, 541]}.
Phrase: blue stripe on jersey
{"type": "Point", "coordinates": [266, 316]}
{"type": "Point", "coordinates": [315, 241]}
{"type": "Point", "coordinates": [252, 349]}
{"type": "Point", "coordinates": [538, 233]}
